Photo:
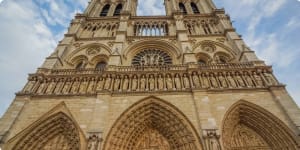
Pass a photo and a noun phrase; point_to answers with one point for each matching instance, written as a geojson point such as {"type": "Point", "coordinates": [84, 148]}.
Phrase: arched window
{"type": "Point", "coordinates": [195, 8]}
{"type": "Point", "coordinates": [80, 65]}
{"type": "Point", "coordinates": [105, 10]}
{"type": "Point", "coordinates": [118, 10]}
{"type": "Point", "coordinates": [201, 62]}
{"type": "Point", "coordinates": [182, 8]}
{"type": "Point", "coordinates": [101, 65]}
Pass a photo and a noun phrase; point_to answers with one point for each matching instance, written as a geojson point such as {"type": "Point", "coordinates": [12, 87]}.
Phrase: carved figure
{"type": "Point", "coordinates": [143, 83]}
{"type": "Point", "coordinates": [160, 82]}
{"type": "Point", "coordinates": [186, 81]}
{"type": "Point", "coordinates": [83, 86]}
{"type": "Point", "coordinates": [270, 79]}
{"type": "Point", "coordinates": [100, 84]}
{"type": "Point", "coordinates": [240, 80]}
{"type": "Point", "coordinates": [248, 80]}
{"type": "Point", "coordinates": [41, 88]}
{"type": "Point", "coordinates": [258, 79]}
{"type": "Point", "coordinates": [151, 83]}
{"type": "Point", "coordinates": [117, 84]}
{"type": "Point", "coordinates": [75, 86]}
{"type": "Point", "coordinates": [107, 83]}
{"type": "Point", "coordinates": [91, 86]}
{"type": "Point", "coordinates": [125, 83]}
{"type": "Point", "coordinates": [66, 87]}
{"type": "Point", "coordinates": [134, 84]}
{"type": "Point", "coordinates": [51, 86]}
{"type": "Point", "coordinates": [231, 81]}
{"type": "Point", "coordinates": [59, 86]}
{"type": "Point", "coordinates": [222, 81]}
{"type": "Point", "coordinates": [213, 81]}
{"type": "Point", "coordinates": [177, 82]}
{"type": "Point", "coordinates": [205, 81]}
{"type": "Point", "coordinates": [169, 82]}
{"type": "Point", "coordinates": [29, 86]}
{"type": "Point", "coordinates": [196, 80]}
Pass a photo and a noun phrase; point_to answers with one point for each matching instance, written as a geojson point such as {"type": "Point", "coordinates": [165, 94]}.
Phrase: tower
{"type": "Point", "coordinates": [184, 81]}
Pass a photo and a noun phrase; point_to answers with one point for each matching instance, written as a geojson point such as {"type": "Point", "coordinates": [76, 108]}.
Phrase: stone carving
{"type": "Point", "coordinates": [160, 82]}
{"type": "Point", "coordinates": [186, 81]}
{"type": "Point", "coordinates": [125, 83]}
{"type": "Point", "coordinates": [147, 82]}
{"type": "Point", "coordinates": [134, 84]}
{"type": "Point", "coordinates": [94, 141]}
{"type": "Point", "coordinates": [151, 57]}
{"type": "Point", "coordinates": [177, 80]}
{"type": "Point", "coordinates": [151, 83]}
{"type": "Point", "coordinates": [211, 138]}
{"type": "Point", "coordinates": [152, 140]}
{"type": "Point", "coordinates": [117, 83]}
{"type": "Point", "coordinates": [196, 80]}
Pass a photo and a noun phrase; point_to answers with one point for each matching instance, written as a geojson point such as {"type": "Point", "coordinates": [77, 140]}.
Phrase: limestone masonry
{"type": "Point", "coordinates": [184, 81]}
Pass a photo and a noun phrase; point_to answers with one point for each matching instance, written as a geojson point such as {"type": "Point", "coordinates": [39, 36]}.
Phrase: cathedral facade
{"type": "Point", "coordinates": [183, 81]}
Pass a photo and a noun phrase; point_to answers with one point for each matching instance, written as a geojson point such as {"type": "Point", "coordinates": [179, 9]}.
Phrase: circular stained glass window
{"type": "Point", "coordinates": [151, 57]}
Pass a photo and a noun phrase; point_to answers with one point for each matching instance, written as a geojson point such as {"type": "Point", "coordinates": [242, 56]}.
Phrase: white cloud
{"type": "Point", "coordinates": [151, 7]}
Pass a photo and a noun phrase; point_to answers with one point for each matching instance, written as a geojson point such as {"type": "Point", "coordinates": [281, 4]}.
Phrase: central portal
{"type": "Point", "coordinates": [152, 124]}
{"type": "Point", "coordinates": [152, 140]}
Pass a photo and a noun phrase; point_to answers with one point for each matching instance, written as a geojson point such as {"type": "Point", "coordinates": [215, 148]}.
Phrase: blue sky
{"type": "Point", "coordinates": [31, 29]}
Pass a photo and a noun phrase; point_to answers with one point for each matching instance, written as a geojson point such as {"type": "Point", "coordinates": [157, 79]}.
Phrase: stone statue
{"type": "Point", "coordinates": [222, 80]}
{"type": "Point", "coordinates": [213, 81]}
{"type": "Point", "coordinates": [29, 86]}
{"type": "Point", "coordinates": [117, 83]}
{"type": "Point", "coordinates": [240, 80]}
{"type": "Point", "coordinates": [186, 81]}
{"type": "Point", "coordinates": [196, 80]}
{"type": "Point", "coordinates": [205, 81]}
{"type": "Point", "coordinates": [100, 84]}
{"type": "Point", "coordinates": [107, 83]}
{"type": "Point", "coordinates": [169, 82]}
{"type": "Point", "coordinates": [91, 86]}
{"type": "Point", "coordinates": [177, 82]}
{"type": "Point", "coordinates": [143, 83]}
{"type": "Point", "coordinates": [59, 86]}
{"type": "Point", "coordinates": [258, 79]}
{"type": "Point", "coordinates": [248, 80]}
{"type": "Point", "coordinates": [83, 86]}
{"type": "Point", "coordinates": [151, 83]}
{"type": "Point", "coordinates": [270, 79]}
{"type": "Point", "coordinates": [75, 86]}
{"type": "Point", "coordinates": [41, 87]}
{"type": "Point", "coordinates": [160, 82]}
{"type": "Point", "coordinates": [134, 84]}
{"type": "Point", "coordinates": [231, 81]}
{"type": "Point", "coordinates": [51, 86]}
{"type": "Point", "coordinates": [93, 142]}
{"type": "Point", "coordinates": [125, 83]}
{"type": "Point", "coordinates": [66, 87]}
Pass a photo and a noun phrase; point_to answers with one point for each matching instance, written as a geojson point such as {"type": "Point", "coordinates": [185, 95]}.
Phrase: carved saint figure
{"type": "Point", "coordinates": [177, 82]}
{"type": "Point", "coordinates": [125, 83]}
{"type": "Point", "coordinates": [205, 81]}
{"type": "Point", "coordinates": [143, 83]}
{"type": "Point", "coordinates": [83, 86]}
{"type": "Point", "coordinates": [169, 82]}
{"type": "Point", "coordinates": [196, 80]}
{"type": "Point", "coordinates": [270, 79]}
{"type": "Point", "coordinates": [160, 82]}
{"type": "Point", "coordinates": [75, 86]}
{"type": "Point", "coordinates": [248, 79]}
{"type": "Point", "coordinates": [51, 86]}
{"type": "Point", "coordinates": [151, 83]}
{"type": "Point", "coordinates": [213, 81]}
{"type": "Point", "coordinates": [107, 83]}
{"type": "Point", "coordinates": [100, 84]}
{"type": "Point", "coordinates": [222, 80]}
{"type": "Point", "coordinates": [91, 86]}
{"type": "Point", "coordinates": [41, 87]}
{"type": "Point", "coordinates": [66, 87]}
{"type": "Point", "coordinates": [240, 80]}
{"type": "Point", "coordinates": [59, 86]}
{"type": "Point", "coordinates": [259, 81]}
{"type": "Point", "coordinates": [93, 142]}
{"type": "Point", "coordinates": [134, 84]}
{"type": "Point", "coordinates": [231, 80]}
{"type": "Point", "coordinates": [117, 83]}
{"type": "Point", "coordinates": [29, 86]}
{"type": "Point", "coordinates": [186, 81]}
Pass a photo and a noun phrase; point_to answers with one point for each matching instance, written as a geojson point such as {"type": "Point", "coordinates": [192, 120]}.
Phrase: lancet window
{"type": "Point", "coordinates": [151, 57]}
{"type": "Point", "coordinates": [105, 10]}
{"type": "Point", "coordinates": [145, 28]}
{"type": "Point", "coordinates": [118, 10]}
{"type": "Point", "coordinates": [182, 8]}
{"type": "Point", "coordinates": [101, 65]}
{"type": "Point", "coordinates": [195, 8]}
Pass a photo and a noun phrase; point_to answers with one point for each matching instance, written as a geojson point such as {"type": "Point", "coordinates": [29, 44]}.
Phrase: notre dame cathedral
{"type": "Point", "coordinates": [183, 81]}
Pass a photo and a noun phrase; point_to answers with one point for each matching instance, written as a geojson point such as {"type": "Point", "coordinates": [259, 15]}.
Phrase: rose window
{"type": "Point", "coordinates": [151, 57]}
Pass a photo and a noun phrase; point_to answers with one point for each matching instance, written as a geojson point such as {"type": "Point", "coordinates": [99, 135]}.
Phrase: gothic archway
{"type": "Point", "coordinates": [248, 126]}
{"type": "Point", "coordinates": [56, 132]}
{"type": "Point", "coordinates": [152, 124]}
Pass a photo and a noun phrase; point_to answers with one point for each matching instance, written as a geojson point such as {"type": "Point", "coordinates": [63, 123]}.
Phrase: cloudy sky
{"type": "Point", "coordinates": [31, 29]}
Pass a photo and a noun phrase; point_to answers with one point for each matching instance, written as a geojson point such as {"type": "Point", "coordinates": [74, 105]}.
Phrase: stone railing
{"type": "Point", "coordinates": [205, 25]}
{"type": "Point", "coordinates": [149, 79]}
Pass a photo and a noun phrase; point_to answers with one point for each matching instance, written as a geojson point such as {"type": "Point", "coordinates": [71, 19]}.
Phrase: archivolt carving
{"type": "Point", "coordinates": [152, 124]}
{"type": "Point", "coordinates": [206, 43]}
{"type": "Point", "coordinates": [56, 132]}
{"type": "Point", "coordinates": [248, 126]}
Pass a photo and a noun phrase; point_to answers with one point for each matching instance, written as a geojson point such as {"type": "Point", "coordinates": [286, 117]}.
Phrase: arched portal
{"type": "Point", "coordinates": [248, 126]}
{"type": "Point", "coordinates": [152, 124]}
{"type": "Point", "coordinates": [56, 132]}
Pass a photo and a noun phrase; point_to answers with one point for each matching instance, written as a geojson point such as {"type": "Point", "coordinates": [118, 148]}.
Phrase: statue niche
{"type": "Point", "coordinates": [150, 57]}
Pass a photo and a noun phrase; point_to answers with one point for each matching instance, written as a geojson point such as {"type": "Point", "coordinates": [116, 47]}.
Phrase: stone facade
{"type": "Point", "coordinates": [184, 81]}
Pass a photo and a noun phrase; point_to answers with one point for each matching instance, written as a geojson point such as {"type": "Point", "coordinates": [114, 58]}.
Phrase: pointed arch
{"type": "Point", "coordinates": [182, 8]}
{"type": "Point", "coordinates": [55, 130]}
{"type": "Point", "coordinates": [247, 126]}
{"type": "Point", "coordinates": [118, 10]}
{"type": "Point", "coordinates": [105, 10]}
{"type": "Point", "coordinates": [195, 8]}
{"type": "Point", "coordinates": [152, 115]}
